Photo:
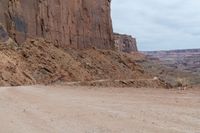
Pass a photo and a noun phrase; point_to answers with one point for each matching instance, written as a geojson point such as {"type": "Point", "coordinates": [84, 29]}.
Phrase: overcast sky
{"type": "Point", "coordinates": [159, 24]}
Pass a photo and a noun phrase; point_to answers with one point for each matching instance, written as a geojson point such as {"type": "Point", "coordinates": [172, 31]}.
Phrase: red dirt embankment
{"type": "Point", "coordinates": [39, 62]}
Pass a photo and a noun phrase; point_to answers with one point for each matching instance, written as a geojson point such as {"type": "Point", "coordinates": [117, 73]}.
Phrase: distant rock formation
{"type": "Point", "coordinates": [125, 43]}
{"type": "Point", "coordinates": [66, 23]}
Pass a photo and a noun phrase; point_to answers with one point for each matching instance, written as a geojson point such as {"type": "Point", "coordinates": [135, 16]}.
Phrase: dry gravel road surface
{"type": "Point", "coordinates": [65, 109]}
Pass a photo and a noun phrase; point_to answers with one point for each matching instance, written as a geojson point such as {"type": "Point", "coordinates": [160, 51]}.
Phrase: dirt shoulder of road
{"type": "Point", "coordinates": [74, 109]}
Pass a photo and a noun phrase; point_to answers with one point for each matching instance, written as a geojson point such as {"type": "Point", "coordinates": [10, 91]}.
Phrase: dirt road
{"type": "Point", "coordinates": [64, 109]}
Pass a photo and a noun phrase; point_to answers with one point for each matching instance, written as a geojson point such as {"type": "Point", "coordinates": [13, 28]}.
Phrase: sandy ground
{"type": "Point", "coordinates": [64, 109]}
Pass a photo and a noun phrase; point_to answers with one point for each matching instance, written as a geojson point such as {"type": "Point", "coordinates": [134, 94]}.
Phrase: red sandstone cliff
{"type": "Point", "coordinates": [125, 43]}
{"type": "Point", "coordinates": [67, 23]}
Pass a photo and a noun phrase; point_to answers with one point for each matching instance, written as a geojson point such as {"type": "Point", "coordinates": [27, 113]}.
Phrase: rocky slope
{"type": "Point", "coordinates": [40, 62]}
{"type": "Point", "coordinates": [125, 43]}
{"type": "Point", "coordinates": [67, 23]}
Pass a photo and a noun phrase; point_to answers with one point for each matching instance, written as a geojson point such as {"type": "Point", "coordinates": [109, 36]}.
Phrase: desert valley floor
{"type": "Point", "coordinates": [67, 109]}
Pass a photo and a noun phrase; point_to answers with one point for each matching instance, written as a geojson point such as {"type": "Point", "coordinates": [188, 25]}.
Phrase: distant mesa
{"type": "Point", "coordinates": [125, 43]}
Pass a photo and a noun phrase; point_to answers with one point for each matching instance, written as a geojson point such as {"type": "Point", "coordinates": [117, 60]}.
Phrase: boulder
{"type": "Point", "coordinates": [3, 34]}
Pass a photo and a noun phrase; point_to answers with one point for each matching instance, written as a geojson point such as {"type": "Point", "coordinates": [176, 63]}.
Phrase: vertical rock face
{"type": "Point", "coordinates": [67, 23]}
{"type": "Point", "coordinates": [125, 43]}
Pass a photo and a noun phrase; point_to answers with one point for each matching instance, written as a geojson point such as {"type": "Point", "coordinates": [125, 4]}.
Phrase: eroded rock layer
{"type": "Point", "coordinates": [67, 23]}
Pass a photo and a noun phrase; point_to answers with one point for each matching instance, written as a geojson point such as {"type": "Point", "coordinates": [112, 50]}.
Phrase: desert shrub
{"type": "Point", "coordinates": [182, 82]}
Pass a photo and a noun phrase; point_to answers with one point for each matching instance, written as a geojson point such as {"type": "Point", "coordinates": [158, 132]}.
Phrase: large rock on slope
{"type": "Point", "coordinates": [125, 43]}
{"type": "Point", "coordinates": [3, 34]}
{"type": "Point", "coordinates": [67, 23]}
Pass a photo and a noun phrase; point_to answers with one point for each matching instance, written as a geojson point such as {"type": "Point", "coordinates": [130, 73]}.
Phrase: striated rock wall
{"type": "Point", "coordinates": [125, 43]}
{"type": "Point", "coordinates": [67, 23]}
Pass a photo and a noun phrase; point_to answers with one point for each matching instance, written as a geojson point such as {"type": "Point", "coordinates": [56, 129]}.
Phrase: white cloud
{"type": "Point", "coordinates": [171, 24]}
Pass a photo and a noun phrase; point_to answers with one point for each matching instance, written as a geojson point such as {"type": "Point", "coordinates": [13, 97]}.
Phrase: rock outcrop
{"type": "Point", "coordinates": [125, 43]}
{"type": "Point", "coordinates": [3, 34]}
{"type": "Point", "coordinates": [66, 23]}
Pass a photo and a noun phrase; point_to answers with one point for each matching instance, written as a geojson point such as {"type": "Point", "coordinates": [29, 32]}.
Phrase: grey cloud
{"type": "Point", "coordinates": [157, 25]}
